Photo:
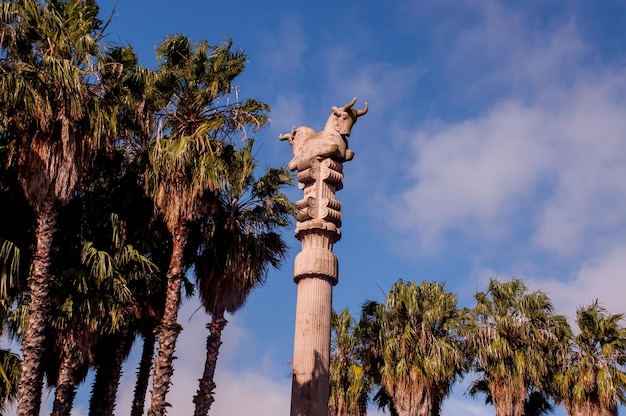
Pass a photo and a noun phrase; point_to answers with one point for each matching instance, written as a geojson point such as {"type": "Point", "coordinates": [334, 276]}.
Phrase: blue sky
{"type": "Point", "coordinates": [494, 147]}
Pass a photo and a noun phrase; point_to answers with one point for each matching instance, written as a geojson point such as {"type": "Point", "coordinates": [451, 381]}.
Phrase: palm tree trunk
{"type": "Point", "coordinates": [435, 409]}
{"type": "Point", "coordinates": [31, 382]}
{"type": "Point", "coordinates": [409, 399]}
{"type": "Point", "coordinates": [108, 374]}
{"type": "Point", "coordinates": [169, 329]}
{"type": "Point", "coordinates": [438, 393]}
{"type": "Point", "coordinates": [590, 408]}
{"type": "Point", "coordinates": [143, 374]}
{"type": "Point", "coordinates": [71, 361]}
{"type": "Point", "coordinates": [204, 398]}
{"type": "Point", "coordinates": [509, 402]}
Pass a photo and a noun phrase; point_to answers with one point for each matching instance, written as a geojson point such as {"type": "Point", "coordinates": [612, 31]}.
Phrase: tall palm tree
{"type": "Point", "coordinates": [415, 345]}
{"type": "Point", "coordinates": [349, 384]}
{"type": "Point", "coordinates": [93, 298]}
{"type": "Point", "coordinates": [515, 341]}
{"type": "Point", "coordinates": [592, 380]}
{"type": "Point", "coordinates": [240, 246]}
{"type": "Point", "coordinates": [98, 268]}
{"type": "Point", "coordinates": [109, 354]}
{"type": "Point", "coordinates": [50, 98]}
{"type": "Point", "coordinates": [130, 89]}
{"type": "Point", "coordinates": [194, 84]}
{"type": "Point", "coordinates": [147, 322]}
{"type": "Point", "coordinates": [127, 89]}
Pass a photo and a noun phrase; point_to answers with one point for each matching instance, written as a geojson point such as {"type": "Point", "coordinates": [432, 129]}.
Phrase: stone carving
{"type": "Point", "coordinates": [318, 157]}
{"type": "Point", "coordinates": [331, 142]}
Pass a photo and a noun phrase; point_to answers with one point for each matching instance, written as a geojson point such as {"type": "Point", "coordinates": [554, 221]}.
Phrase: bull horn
{"type": "Point", "coordinates": [336, 111]}
{"type": "Point", "coordinates": [359, 113]}
{"type": "Point", "coordinates": [288, 136]}
{"type": "Point", "coordinates": [349, 105]}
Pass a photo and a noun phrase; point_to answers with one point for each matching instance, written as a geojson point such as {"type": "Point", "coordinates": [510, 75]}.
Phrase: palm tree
{"type": "Point", "coordinates": [415, 345]}
{"type": "Point", "coordinates": [93, 299]}
{"type": "Point", "coordinates": [127, 89]}
{"type": "Point", "coordinates": [49, 96]}
{"type": "Point", "coordinates": [515, 341]}
{"type": "Point", "coordinates": [240, 246]}
{"type": "Point", "coordinates": [97, 267]}
{"type": "Point", "coordinates": [592, 380]}
{"type": "Point", "coordinates": [148, 320]}
{"type": "Point", "coordinates": [109, 354]}
{"type": "Point", "coordinates": [130, 89]}
{"type": "Point", "coordinates": [143, 373]}
{"type": "Point", "coordinates": [349, 384]}
{"type": "Point", "coordinates": [194, 84]}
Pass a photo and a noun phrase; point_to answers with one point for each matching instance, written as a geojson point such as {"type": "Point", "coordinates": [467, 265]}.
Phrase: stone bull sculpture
{"type": "Point", "coordinates": [331, 142]}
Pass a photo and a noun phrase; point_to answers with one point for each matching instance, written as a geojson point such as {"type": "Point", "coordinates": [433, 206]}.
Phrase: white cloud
{"type": "Point", "coordinates": [603, 278]}
{"type": "Point", "coordinates": [511, 47]}
{"type": "Point", "coordinates": [467, 173]}
{"type": "Point", "coordinates": [249, 393]}
{"type": "Point", "coordinates": [552, 163]}
{"type": "Point", "coordinates": [238, 391]}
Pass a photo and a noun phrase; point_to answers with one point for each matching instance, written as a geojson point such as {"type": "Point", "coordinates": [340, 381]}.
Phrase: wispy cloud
{"type": "Point", "coordinates": [550, 164]}
{"type": "Point", "coordinates": [602, 277]}
{"type": "Point", "coordinates": [239, 391]}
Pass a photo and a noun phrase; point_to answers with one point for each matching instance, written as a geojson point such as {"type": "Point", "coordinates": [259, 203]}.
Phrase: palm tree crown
{"type": "Point", "coordinates": [514, 343]}
{"type": "Point", "coordinates": [414, 339]}
{"type": "Point", "coordinates": [242, 240]}
{"type": "Point", "coordinates": [592, 379]}
{"type": "Point", "coordinates": [349, 384]}
{"type": "Point", "coordinates": [50, 95]}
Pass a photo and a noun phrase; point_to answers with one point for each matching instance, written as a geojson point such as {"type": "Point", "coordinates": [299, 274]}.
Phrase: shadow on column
{"type": "Point", "coordinates": [309, 392]}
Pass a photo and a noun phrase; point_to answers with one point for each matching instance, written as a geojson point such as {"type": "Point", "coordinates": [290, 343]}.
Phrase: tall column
{"type": "Point", "coordinates": [315, 272]}
{"type": "Point", "coordinates": [318, 158]}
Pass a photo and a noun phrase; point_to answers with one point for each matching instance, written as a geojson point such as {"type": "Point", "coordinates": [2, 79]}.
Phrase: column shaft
{"type": "Point", "coordinates": [309, 394]}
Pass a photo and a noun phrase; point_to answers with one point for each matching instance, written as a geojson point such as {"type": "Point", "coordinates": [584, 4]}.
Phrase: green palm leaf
{"type": "Point", "coordinates": [515, 341]}
{"type": "Point", "coordinates": [414, 345]}
{"type": "Point", "coordinates": [592, 377]}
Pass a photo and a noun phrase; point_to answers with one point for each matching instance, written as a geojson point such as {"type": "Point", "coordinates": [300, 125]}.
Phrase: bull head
{"type": "Point", "coordinates": [346, 117]}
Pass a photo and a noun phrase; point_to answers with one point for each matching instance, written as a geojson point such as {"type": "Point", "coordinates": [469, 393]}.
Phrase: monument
{"type": "Point", "coordinates": [318, 157]}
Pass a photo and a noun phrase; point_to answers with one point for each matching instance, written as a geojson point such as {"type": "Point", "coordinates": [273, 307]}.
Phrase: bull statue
{"type": "Point", "coordinates": [331, 142]}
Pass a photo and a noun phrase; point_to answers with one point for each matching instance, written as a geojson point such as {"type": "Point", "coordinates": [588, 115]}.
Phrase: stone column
{"type": "Point", "coordinates": [315, 272]}
{"type": "Point", "coordinates": [318, 158]}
